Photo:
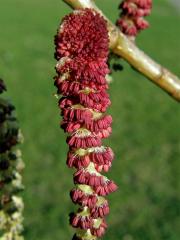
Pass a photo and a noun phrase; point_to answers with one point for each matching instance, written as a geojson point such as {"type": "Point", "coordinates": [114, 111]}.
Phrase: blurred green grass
{"type": "Point", "coordinates": [146, 126]}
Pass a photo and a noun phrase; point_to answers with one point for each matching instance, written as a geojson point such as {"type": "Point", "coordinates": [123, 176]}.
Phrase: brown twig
{"type": "Point", "coordinates": [125, 48]}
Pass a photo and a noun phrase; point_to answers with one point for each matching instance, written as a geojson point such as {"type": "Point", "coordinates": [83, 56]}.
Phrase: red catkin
{"type": "Point", "coordinates": [82, 54]}
{"type": "Point", "coordinates": [131, 20]}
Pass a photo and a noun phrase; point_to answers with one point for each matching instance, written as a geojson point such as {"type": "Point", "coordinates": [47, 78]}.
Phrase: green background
{"type": "Point", "coordinates": [145, 131]}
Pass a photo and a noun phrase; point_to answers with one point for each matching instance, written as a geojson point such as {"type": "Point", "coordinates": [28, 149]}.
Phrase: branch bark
{"type": "Point", "coordinates": [126, 49]}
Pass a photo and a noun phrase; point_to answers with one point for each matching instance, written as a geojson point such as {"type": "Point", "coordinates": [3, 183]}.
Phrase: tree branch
{"type": "Point", "coordinates": [125, 48]}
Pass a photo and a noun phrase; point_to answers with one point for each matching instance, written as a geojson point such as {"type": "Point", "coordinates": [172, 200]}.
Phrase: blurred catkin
{"type": "Point", "coordinates": [11, 166]}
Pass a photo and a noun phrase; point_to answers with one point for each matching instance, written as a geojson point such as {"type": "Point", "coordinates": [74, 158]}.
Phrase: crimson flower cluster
{"type": "Point", "coordinates": [82, 52]}
{"type": "Point", "coordinates": [132, 20]}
